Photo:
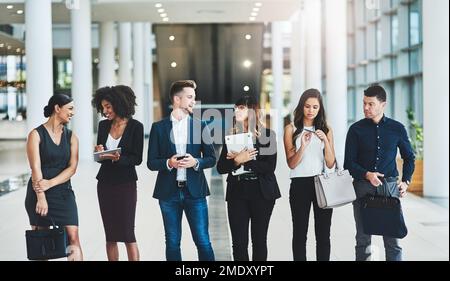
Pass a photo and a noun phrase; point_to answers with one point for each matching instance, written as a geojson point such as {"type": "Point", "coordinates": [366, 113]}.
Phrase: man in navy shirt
{"type": "Point", "coordinates": [370, 156]}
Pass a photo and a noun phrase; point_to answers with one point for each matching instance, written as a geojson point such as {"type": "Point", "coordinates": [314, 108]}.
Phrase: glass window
{"type": "Point", "coordinates": [379, 39]}
{"type": "Point", "coordinates": [414, 24]}
{"type": "Point", "coordinates": [64, 74]}
{"type": "Point", "coordinates": [390, 90]}
{"type": "Point", "coordinates": [12, 87]}
{"type": "Point", "coordinates": [351, 106]}
{"type": "Point", "coordinates": [394, 33]}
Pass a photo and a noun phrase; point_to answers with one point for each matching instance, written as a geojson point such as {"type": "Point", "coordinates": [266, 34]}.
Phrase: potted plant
{"type": "Point", "coordinates": [416, 140]}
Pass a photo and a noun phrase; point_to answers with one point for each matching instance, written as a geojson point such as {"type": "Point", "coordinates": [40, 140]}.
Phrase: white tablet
{"type": "Point", "coordinates": [111, 151]}
{"type": "Point", "coordinates": [237, 143]}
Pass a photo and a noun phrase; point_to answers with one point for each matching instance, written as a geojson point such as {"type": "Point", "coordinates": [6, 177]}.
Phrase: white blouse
{"type": "Point", "coordinates": [312, 162]}
{"type": "Point", "coordinates": [112, 143]}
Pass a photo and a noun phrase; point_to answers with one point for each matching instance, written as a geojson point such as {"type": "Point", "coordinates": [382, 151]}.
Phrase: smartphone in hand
{"type": "Point", "coordinates": [309, 130]}
{"type": "Point", "coordinates": [181, 157]}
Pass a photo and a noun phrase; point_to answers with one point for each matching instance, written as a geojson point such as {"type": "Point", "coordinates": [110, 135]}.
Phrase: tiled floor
{"type": "Point", "coordinates": [428, 237]}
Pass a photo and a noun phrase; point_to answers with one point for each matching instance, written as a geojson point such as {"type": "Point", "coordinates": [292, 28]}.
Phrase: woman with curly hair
{"type": "Point", "coordinates": [117, 176]}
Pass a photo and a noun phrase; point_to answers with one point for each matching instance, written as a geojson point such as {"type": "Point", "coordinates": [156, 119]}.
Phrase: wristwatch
{"type": "Point", "coordinates": [407, 183]}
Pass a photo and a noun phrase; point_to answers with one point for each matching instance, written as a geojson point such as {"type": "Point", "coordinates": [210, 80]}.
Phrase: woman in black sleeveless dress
{"type": "Point", "coordinates": [52, 152]}
{"type": "Point", "coordinates": [116, 188]}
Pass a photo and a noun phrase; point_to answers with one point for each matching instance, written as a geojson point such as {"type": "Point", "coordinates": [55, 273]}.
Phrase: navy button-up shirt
{"type": "Point", "coordinates": [373, 147]}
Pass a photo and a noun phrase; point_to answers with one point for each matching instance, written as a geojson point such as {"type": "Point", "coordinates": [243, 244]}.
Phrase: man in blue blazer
{"type": "Point", "coordinates": [180, 147]}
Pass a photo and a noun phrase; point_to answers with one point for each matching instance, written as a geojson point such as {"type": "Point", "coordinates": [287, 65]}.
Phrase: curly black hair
{"type": "Point", "coordinates": [121, 97]}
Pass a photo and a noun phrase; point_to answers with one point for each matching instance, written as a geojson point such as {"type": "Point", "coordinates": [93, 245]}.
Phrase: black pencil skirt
{"type": "Point", "coordinates": [118, 209]}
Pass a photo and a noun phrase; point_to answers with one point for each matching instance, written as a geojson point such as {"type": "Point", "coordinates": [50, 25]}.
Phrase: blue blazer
{"type": "Point", "coordinates": [161, 148]}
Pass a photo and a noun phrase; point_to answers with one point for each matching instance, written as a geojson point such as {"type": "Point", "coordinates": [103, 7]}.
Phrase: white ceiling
{"type": "Point", "coordinates": [178, 11]}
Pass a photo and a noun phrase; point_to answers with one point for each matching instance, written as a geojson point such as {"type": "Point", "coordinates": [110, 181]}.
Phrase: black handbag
{"type": "Point", "coordinates": [382, 215]}
{"type": "Point", "coordinates": [45, 244]}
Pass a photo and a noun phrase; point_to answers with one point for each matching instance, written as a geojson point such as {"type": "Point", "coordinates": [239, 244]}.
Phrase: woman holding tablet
{"type": "Point", "coordinates": [251, 195]}
{"type": "Point", "coordinates": [117, 176]}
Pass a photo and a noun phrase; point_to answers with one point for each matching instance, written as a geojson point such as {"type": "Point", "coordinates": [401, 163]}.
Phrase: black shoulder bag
{"type": "Point", "coordinates": [45, 244]}
{"type": "Point", "coordinates": [382, 215]}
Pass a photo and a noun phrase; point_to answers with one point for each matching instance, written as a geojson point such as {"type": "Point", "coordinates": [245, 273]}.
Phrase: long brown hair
{"type": "Point", "coordinates": [320, 122]}
{"type": "Point", "coordinates": [255, 123]}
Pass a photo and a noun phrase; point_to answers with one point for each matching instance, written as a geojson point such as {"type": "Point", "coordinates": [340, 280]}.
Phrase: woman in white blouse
{"type": "Point", "coordinates": [309, 148]}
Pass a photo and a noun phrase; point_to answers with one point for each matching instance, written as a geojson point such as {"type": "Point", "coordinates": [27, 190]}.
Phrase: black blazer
{"type": "Point", "coordinates": [161, 148]}
{"type": "Point", "coordinates": [264, 166]}
{"type": "Point", "coordinates": [132, 145]}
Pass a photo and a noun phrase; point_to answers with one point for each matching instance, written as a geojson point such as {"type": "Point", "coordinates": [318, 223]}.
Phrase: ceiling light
{"type": "Point", "coordinates": [173, 64]}
{"type": "Point", "coordinates": [247, 63]}
{"type": "Point", "coordinates": [18, 50]}
{"type": "Point", "coordinates": [171, 37]}
{"type": "Point", "coordinates": [254, 14]}
{"type": "Point", "coordinates": [165, 19]}
{"type": "Point", "coordinates": [246, 88]}
{"type": "Point", "coordinates": [164, 15]}
{"type": "Point", "coordinates": [9, 7]}
{"type": "Point", "coordinates": [96, 60]}
{"type": "Point", "coordinates": [160, 10]}
{"type": "Point", "coordinates": [9, 47]}
{"type": "Point", "coordinates": [256, 9]}
{"type": "Point", "coordinates": [19, 12]}
{"type": "Point", "coordinates": [158, 5]}
{"type": "Point", "coordinates": [2, 45]}
{"type": "Point", "coordinates": [258, 4]}
{"type": "Point", "coordinates": [248, 36]}
{"type": "Point", "coordinates": [252, 18]}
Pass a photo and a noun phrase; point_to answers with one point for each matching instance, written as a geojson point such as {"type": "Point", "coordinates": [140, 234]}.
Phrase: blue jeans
{"type": "Point", "coordinates": [363, 248]}
{"type": "Point", "coordinates": [196, 211]}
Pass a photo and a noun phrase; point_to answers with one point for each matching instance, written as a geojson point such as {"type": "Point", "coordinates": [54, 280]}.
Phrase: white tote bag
{"type": "Point", "coordinates": [334, 189]}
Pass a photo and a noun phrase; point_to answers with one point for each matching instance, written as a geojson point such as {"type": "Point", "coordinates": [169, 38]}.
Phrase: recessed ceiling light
{"type": "Point", "coordinates": [171, 37]}
{"type": "Point", "coordinates": [254, 14]}
{"type": "Point", "coordinates": [173, 64]}
{"type": "Point", "coordinates": [19, 12]}
{"type": "Point", "coordinates": [158, 5]}
{"type": "Point", "coordinates": [161, 10]}
{"type": "Point", "coordinates": [9, 7]}
{"type": "Point", "coordinates": [248, 36]}
{"type": "Point", "coordinates": [246, 88]}
{"type": "Point", "coordinates": [9, 47]}
{"type": "Point", "coordinates": [252, 18]}
{"type": "Point", "coordinates": [96, 60]}
{"type": "Point", "coordinates": [2, 45]}
{"type": "Point", "coordinates": [165, 19]}
{"type": "Point", "coordinates": [256, 9]}
{"type": "Point", "coordinates": [18, 50]}
{"type": "Point", "coordinates": [258, 4]}
{"type": "Point", "coordinates": [164, 15]}
{"type": "Point", "coordinates": [247, 63]}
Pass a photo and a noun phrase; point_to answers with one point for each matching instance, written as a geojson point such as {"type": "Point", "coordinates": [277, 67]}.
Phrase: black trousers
{"type": "Point", "coordinates": [301, 195]}
{"type": "Point", "coordinates": [243, 209]}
